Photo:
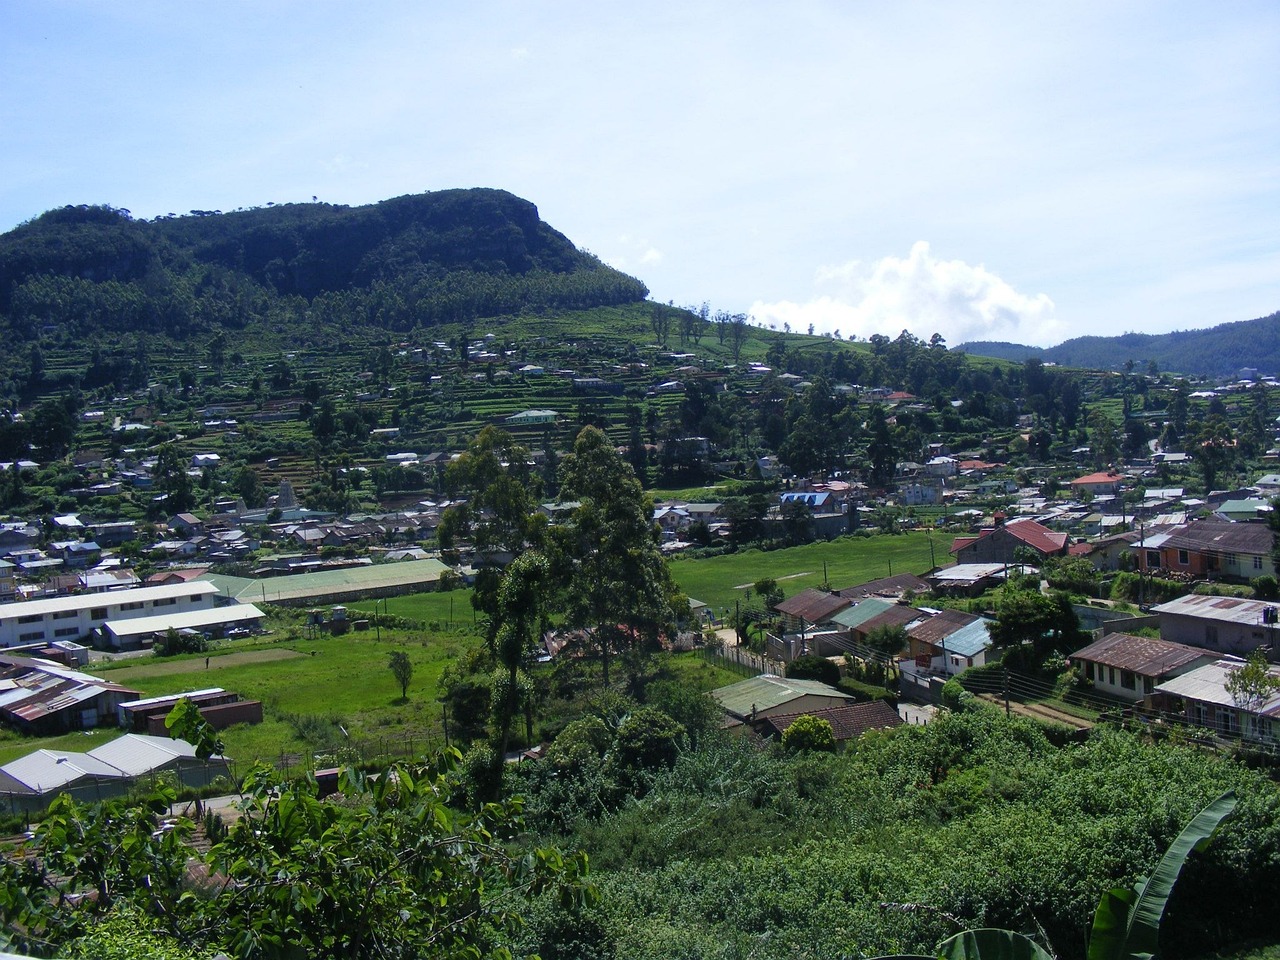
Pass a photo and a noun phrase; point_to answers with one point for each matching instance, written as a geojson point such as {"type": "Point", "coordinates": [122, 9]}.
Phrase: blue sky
{"type": "Point", "coordinates": [1014, 171]}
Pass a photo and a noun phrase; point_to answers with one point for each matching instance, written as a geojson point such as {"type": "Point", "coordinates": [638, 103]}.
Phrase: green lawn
{"type": "Point", "coordinates": [719, 581]}
{"type": "Point", "coordinates": [332, 680]}
{"type": "Point", "coordinates": [442, 609]}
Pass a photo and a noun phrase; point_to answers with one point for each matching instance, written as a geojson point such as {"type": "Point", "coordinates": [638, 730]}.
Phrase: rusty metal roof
{"type": "Point", "coordinates": [1145, 656]}
{"type": "Point", "coordinates": [812, 606]}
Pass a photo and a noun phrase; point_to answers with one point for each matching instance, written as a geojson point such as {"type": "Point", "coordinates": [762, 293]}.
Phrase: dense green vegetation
{"type": "Point", "coordinates": [1213, 352]}
{"type": "Point", "coordinates": [974, 820]}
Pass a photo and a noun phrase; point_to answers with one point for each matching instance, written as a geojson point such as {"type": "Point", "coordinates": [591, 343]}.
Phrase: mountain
{"type": "Point", "coordinates": [1217, 351]}
{"type": "Point", "coordinates": [419, 260]}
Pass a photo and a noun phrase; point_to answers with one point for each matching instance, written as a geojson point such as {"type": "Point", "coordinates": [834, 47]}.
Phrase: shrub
{"type": "Point", "coordinates": [1265, 587]}
{"type": "Point", "coordinates": [647, 740]}
{"type": "Point", "coordinates": [812, 667]}
{"type": "Point", "coordinates": [955, 697]}
{"type": "Point", "coordinates": [809, 733]}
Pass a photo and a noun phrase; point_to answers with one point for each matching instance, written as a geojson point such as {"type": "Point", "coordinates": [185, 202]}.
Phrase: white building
{"type": "Point", "coordinates": [74, 617]}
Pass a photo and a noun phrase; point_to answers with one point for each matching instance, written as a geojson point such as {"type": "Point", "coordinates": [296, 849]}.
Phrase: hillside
{"type": "Point", "coordinates": [1214, 352]}
{"type": "Point", "coordinates": [414, 261]}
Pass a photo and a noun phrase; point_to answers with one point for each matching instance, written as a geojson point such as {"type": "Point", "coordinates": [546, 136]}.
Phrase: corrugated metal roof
{"type": "Point", "coordinates": [896, 616]}
{"type": "Point", "coordinates": [87, 601]}
{"type": "Point", "coordinates": [1223, 536]}
{"type": "Point", "coordinates": [886, 586]}
{"type": "Point", "coordinates": [44, 771]}
{"type": "Point", "coordinates": [1208, 684]}
{"type": "Point", "coordinates": [1145, 656]}
{"type": "Point", "coordinates": [812, 606]}
{"type": "Point", "coordinates": [186, 620]}
{"type": "Point", "coordinates": [765, 693]}
{"type": "Point", "coordinates": [942, 624]}
{"type": "Point", "coordinates": [323, 583]}
{"type": "Point", "coordinates": [1225, 609]}
{"type": "Point", "coordinates": [136, 754]}
{"type": "Point", "coordinates": [861, 612]}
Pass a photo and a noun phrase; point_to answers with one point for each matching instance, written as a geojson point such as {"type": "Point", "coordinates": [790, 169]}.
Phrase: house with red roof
{"type": "Point", "coordinates": [1002, 542]}
{"type": "Point", "coordinates": [1103, 483]}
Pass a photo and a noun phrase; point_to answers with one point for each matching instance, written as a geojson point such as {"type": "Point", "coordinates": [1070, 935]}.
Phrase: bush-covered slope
{"type": "Point", "coordinates": [417, 260]}
{"type": "Point", "coordinates": [1217, 351]}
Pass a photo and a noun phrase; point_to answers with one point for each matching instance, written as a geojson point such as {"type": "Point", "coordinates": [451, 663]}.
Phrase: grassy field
{"type": "Point", "coordinates": [308, 687]}
{"type": "Point", "coordinates": [719, 581]}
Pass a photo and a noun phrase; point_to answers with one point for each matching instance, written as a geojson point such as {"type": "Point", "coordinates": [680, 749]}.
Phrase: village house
{"type": "Point", "coordinates": [1211, 549]}
{"type": "Point", "coordinates": [1201, 697]}
{"type": "Point", "coordinates": [1008, 541]}
{"type": "Point", "coordinates": [1130, 667]}
{"type": "Point", "coordinates": [1222, 624]}
{"type": "Point", "coordinates": [1104, 483]}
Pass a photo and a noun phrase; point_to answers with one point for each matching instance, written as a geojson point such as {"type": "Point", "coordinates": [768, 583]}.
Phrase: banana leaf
{"type": "Point", "coordinates": [1126, 925]}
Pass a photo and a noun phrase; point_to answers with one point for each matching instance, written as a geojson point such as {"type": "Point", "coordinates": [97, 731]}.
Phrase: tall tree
{"type": "Point", "coordinates": [520, 613]}
{"type": "Point", "coordinates": [618, 585]}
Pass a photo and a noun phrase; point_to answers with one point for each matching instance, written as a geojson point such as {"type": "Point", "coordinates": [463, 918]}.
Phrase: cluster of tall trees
{"type": "Point", "coordinates": [596, 569]}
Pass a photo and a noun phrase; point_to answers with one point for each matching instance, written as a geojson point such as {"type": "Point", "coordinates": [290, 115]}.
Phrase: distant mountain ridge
{"type": "Point", "coordinates": [419, 260]}
{"type": "Point", "coordinates": [1214, 352]}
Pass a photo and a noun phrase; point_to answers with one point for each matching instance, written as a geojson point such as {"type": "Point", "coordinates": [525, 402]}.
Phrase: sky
{"type": "Point", "coordinates": [1020, 171]}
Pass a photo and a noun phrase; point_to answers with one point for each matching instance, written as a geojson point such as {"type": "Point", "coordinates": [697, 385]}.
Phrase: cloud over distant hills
{"type": "Point", "coordinates": [920, 293]}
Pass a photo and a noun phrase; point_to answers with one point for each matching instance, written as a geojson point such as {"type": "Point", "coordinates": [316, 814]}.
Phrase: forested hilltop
{"type": "Point", "coordinates": [450, 256]}
{"type": "Point", "coordinates": [1217, 351]}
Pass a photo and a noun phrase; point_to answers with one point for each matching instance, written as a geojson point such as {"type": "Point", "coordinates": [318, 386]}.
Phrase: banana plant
{"type": "Point", "coordinates": [1126, 925]}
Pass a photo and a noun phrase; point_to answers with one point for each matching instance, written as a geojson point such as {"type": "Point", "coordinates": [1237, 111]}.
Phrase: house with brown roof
{"type": "Point", "coordinates": [810, 608]}
{"type": "Point", "coordinates": [1005, 542]}
{"type": "Point", "coordinates": [1130, 667]}
{"type": "Point", "coordinates": [848, 722]}
{"type": "Point", "coordinates": [1212, 549]}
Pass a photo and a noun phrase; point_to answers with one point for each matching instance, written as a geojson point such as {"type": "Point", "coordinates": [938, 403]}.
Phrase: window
{"type": "Point", "coordinates": [67, 632]}
{"type": "Point", "coordinates": [1153, 558]}
{"type": "Point", "coordinates": [164, 602]}
{"type": "Point", "coordinates": [1257, 563]}
{"type": "Point", "coordinates": [1233, 560]}
{"type": "Point", "coordinates": [32, 618]}
{"type": "Point", "coordinates": [29, 637]}
{"type": "Point", "coordinates": [1111, 675]}
{"type": "Point", "coordinates": [1184, 558]}
{"type": "Point", "coordinates": [98, 613]}
{"type": "Point", "coordinates": [66, 614]}
{"type": "Point", "coordinates": [137, 605]}
{"type": "Point", "coordinates": [1088, 669]}
{"type": "Point", "coordinates": [1148, 685]}
{"type": "Point", "coordinates": [1128, 680]}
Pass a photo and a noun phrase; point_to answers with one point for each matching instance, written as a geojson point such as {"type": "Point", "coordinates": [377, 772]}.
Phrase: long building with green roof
{"type": "Point", "coordinates": [343, 585]}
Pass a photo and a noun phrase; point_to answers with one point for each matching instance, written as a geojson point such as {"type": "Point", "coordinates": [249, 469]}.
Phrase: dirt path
{"type": "Point", "coordinates": [1038, 711]}
{"type": "Point", "coordinates": [168, 667]}
{"type": "Point", "coordinates": [789, 576]}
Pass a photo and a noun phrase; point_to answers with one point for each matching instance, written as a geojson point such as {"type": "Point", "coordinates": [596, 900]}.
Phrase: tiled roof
{"type": "Point", "coordinates": [1105, 476]}
{"type": "Point", "coordinates": [1036, 536]}
{"type": "Point", "coordinates": [847, 722]}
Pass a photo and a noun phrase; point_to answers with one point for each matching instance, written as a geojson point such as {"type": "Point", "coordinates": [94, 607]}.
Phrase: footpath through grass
{"type": "Point", "coordinates": [719, 581]}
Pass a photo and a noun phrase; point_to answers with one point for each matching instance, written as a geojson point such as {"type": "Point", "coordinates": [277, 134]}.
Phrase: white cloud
{"type": "Point", "coordinates": [652, 255]}
{"type": "Point", "coordinates": [922, 294]}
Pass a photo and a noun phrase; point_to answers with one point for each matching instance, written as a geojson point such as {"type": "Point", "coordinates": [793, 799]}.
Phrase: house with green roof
{"type": "Point", "coordinates": [768, 696]}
